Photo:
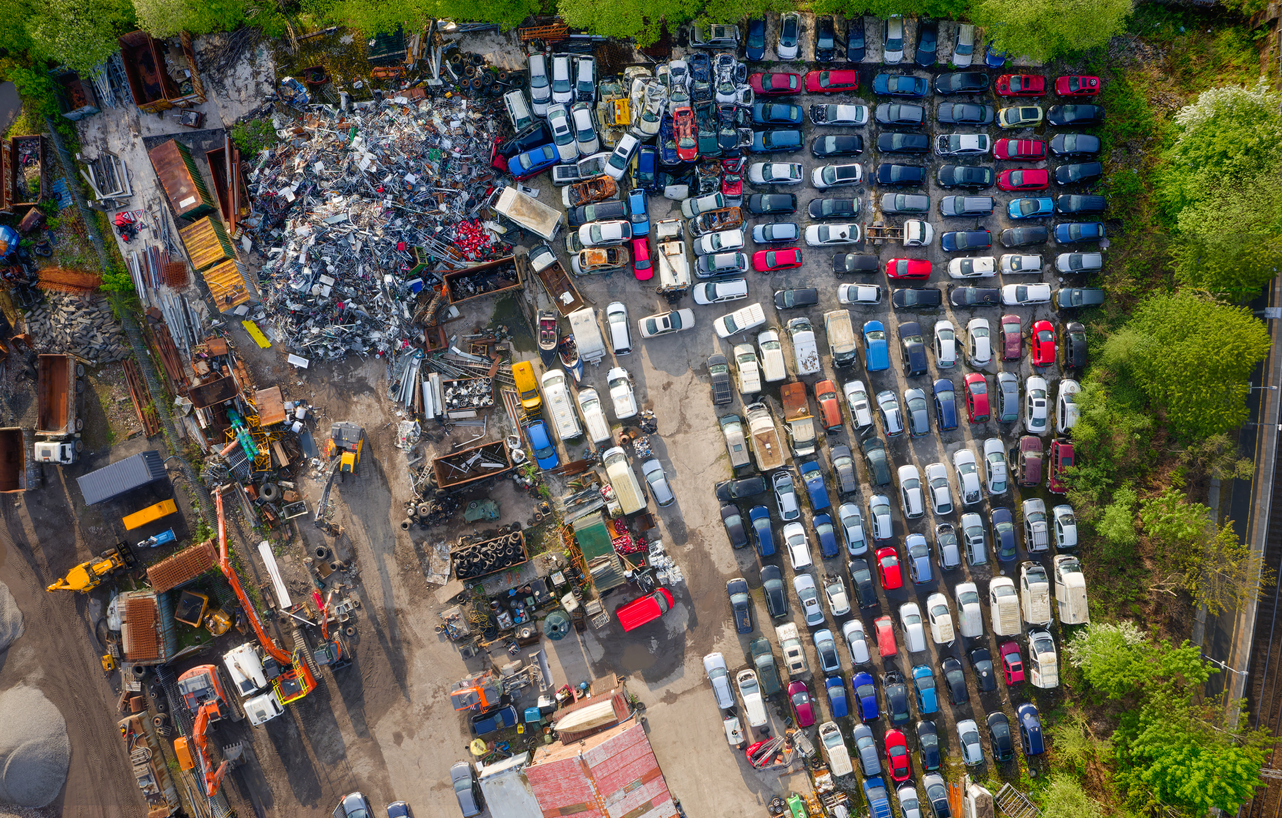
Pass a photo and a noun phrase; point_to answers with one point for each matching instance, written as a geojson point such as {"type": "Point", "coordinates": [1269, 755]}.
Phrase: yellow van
{"type": "Point", "coordinates": [527, 385]}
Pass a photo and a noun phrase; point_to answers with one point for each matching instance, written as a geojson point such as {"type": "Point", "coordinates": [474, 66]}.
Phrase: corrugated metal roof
{"type": "Point", "coordinates": [227, 285]}
{"type": "Point", "coordinates": [610, 775]}
{"type": "Point", "coordinates": [181, 179]}
{"type": "Point", "coordinates": [507, 793]}
{"type": "Point", "coordinates": [121, 476]}
{"type": "Point", "coordinates": [139, 615]}
{"type": "Point", "coordinates": [182, 567]}
{"type": "Point", "coordinates": [206, 243]}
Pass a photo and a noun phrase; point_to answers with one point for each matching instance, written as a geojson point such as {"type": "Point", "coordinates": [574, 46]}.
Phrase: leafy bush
{"type": "Point", "coordinates": [1230, 239]}
{"type": "Point", "coordinates": [1041, 29]}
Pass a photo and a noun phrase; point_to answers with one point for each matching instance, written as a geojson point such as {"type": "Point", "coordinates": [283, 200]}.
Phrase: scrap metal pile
{"type": "Point", "coordinates": [363, 208]}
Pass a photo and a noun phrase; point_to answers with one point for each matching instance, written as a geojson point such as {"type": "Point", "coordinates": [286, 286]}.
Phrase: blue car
{"type": "Point", "coordinates": [814, 480]}
{"type": "Point", "coordinates": [1004, 535]}
{"type": "Point", "coordinates": [1039, 208]}
{"type": "Point", "coordinates": [755, 44]}
{"type": "Point", "coordinates": [878, 798]}
{"type": "Point", "coordinates": [866, 695]}
{"type": "Point", "coordinates": [492, 721]}
{"type": "Point", "coordinates": [776, 113]}
{"type": "Point", "coordinates": [640, 217]}
{"type": "Point", "coordinates": [837, 702]}
{"type": "Point", "coordinates": [544, 452]}
{"type": "Point", "coordinates": [945, 404]}
{"type": "Point", "coordinates": [918, 559]}
{"type": "Point", "coordinates": [994, 58]}
{"type": "Point", "coordinates": [667, 144]}
{"type": "Point", "coordinates": [776, 141]}
{"type": "Point", "coordinates": [827, 536]}
{"type": "Point", "coordinates": [533, 162]}
{"type": "Point", "coordinates": [762, 531]}
{"type": "Point", "coordinates": [900, 85]}
{"type": "Point", "coordinates": [1076, 232]}
{"type": "Point", "coordinates": [647, 173]}
{"type": "Point", "coordinates": [924, 688]}
{"type": "Point", "coordinates": [876, 351]}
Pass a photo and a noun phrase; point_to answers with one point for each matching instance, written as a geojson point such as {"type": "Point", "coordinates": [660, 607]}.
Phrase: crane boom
{"type": "Point", "coordinates": [224, 563]}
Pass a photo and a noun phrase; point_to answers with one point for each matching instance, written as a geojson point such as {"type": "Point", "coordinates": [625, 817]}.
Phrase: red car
{"type": "Point", "coordinates": [686, 131]}
{"type": "Point", "coordinates": [1041, 342]}
{"type": "Point", "coordinates": [774, 84]}
{"type": "Point", "coordinates": [1061, 459]}
{"type": "Point", "coordinates": [1020, 85]}
{"type": "Point", "coordinates": [1074, 86]}
{"type": "Point", "coordinates": [642, 266]}
{"type": "Point", "coordinates": [829, 408]}
{"type": "Point", "coordinates": [888, 568]}
{"type": "Point", "coordinates": [1012, 338]}
{"type": "Point", "coordinates": [1012, 664]}
{"type": "Point", "coordinates": [897, 756]}
{"type": "Point", "coordinates": [732, 178]}
{"type": "Point", "coordinates": [908, 268]}
{"type": "Point", "coordinates": [1024, 179]}
{"type": "Point", "coordinates": [767, 261]}
{"type": "Point", "coordinates": [885, 637]}
{"type": "Point", "coordinates": [976, 398]}
{"type": "Point", "coordinates": [831, 82]}
{"type": "Point", "coordinates": [1018, 150]}
{"type": "Point", "coordinates": [802, 707]}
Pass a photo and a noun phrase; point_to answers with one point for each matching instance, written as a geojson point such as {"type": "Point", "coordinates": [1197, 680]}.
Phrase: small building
{"type": "Point", "coordinates": [122, 476]}
{"type": "Point", "coordinates": [609, 775]}
{"type": "Point", "coordinates": [597, 546]}
{"type": "Point", "coordinates": [178, 569]}
{"type": "Point", "coordinates": [506, 790]}
{"type": "Point", "coordinates": [147, 635]}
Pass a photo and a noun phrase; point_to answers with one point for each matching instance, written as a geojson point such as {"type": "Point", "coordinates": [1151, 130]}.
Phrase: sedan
{"type": "Point", "coordinates": [1077, 86]}
{"type": "Point", "coordinates": [876, 350]}
{"type": "Point", "coordinates": [957, 241]}
{"type": "Point", "coordinates": [1078, 232]}
{"type": "Point", "coordinates": [1065, 115]}
{"type": "Point", "coordinates": [941, 492]}
{"type": "Point", "coordinates": [665, 323]}
{"type": "Point", "coordinates": [852, 528]}
{"type": "Point", "coordinates": [775, 173]}
{"type": "Point", "coordinates": [858, 293]}
{"type": "Point", "coordinates": [1074, 345]}
{"type": "Point", "coordinates": [604, 234]}
{"type": "Point", "coordinates": [796, 298]}
{"type": "Point", "coordinates": [945, 344]}
{"type": "Point", "coordinates": [817, 492]}
{"type": "Point", "coordinates": [832, 82]}
{"type": "Point", "coordinates": [839, 115]}
{"type": "Point", "coordinates": [908, 268]}
{"type": "Point", "coordinates": [961, 82]}
{"type": "Point", "coordinates": [1030, 729]}
{"type": "Point", "coordinates": [1072, 298]}
{"type": "Point", "coordinates": [954, 680]}
{"type": "Point", "coordinates": [896, 694]}
{"type": "Point", "coordinates": [1036, 406]}
{"type": "Point", "coordinates": [918, 417]}
{"type": "Point", "coordinates": [1061, 461]}
{"type": "Point", "coordinates": [1000, 737]}
{"type": "Point", "coordinates": [835, 687]}
{"type": "Point", "coordinates": [891, 418]}
{"type": "Point", "coordinates": [897, 755]}
{"type": "Point", "coordinates": [924, 689]}
{"type": "Point", "coordinates": [1019, 150]}
{"type": "Point", "coordinates": [1024, 179]}
{"type": "Point", "coordinates": [979, 349]}
{"type": "Point", "coordinates": [1020, 85]}
{"type": "Point", "coordinates": [968, 735]}
{"type": "Point", "coordinates": [786, 496]}
{"type": "Point", "coordinates": [917, 298]}
{"type": "Point", "coordinates": [770, 204]}
{"type": "Point", "coordinates": [883, 527]}
{"type": "Point", "coordinates": [740, 604]}
{"type": "Point", "coordinates": [808, 594]}
{"type": "Point", "coordinates": [1039, 208]}
{"type": "Point", "coordinates": [861, 581]}
{"type": "Point", "coordinates": [1078, 174]}
{"type": "Point", "coordinates": [946, 547]}
{"type": "Point", "coordinates": [776, 596]}
{"type": "Point", "coordinates": [927, 746]}
{"type": "Point", "coordinates": [851, 263]}
{"type": "Point", "coordinates": [996, 472]}
{"type": "Point", "coordinates": [356, 805]}
{"type": "Point", "coordinates": [827, 235]}
{"type": "Point", "coordinates": [728, 491]}
{"type": "Point", "coordinates": [974, 296]}
{"type": "Point", "coordinates": [1007, 397]}
{"type": "Point", "coordinates": [972, 267]}
{"type": "Point", "coordinates": [776, 141]}
{"type": "Point", "coordinates": [837, 145]}
{"type": "Point", "coordinates": [826, 647]}
{"type": "Point", "coordinates": [981, 662]}
{"type": "Point", "coordinates": [1020, 116]}
{"type": "Point", "coordinates": [945, 405]}
{"type": "Point", "coordinates": [829, 176]}
{"type": "Point", "coordinates": [898, 114]}
{"type": "Point", "coordinates": [914, 348]}
{"type": "Point", "coordinates": [900, 85]}
{"type": "Point", "coordinates": [768, 261]}
{"type": "Point", "coordinates": [1022, 236]}
{"type": "Point", "coordinates": [898, 175]}
{"type": "Point", "coordinates": [963, 113]}
{"type": "Point", "coordinates": [912, 500]}
{"type": "Point", "coordinates": [1041, 343]}
{"type": "Point", "coordinates": [976, 389]}
{"type": "Point", "coordinates": [733, 521]}
{"type": "Point", "coordinates": [967, 477]}
{"type": "Point", "coordinates": [775, 83]}
{"type": "Point", "coordinates": [802, 708]}
{"type": "Point", "coordinates": [776, 113]}
{"type": "Point", "coordinates": [966, 176]}
{"type": "Point", "coordinates": [1075, 144]}
{"type": "Point", "coordinates": [544, 450]}
{"type": "Point", "coordinates": [888, 569]}
{"type": "Point", "coordinates": [927, 42]}
{"type": "Point", "coordinates": [961, 144]}
{"type": "Point", "coordinates": [893, 142]}
{"type": "Point", "coordinates": [824, 209]}
{"type": "Point", "coordinates": [466, 790]}
{"type": "Point", "coordinates": [866, 696]}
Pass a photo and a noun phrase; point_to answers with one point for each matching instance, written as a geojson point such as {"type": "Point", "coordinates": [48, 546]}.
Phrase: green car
{"type": "Point", "coordinates": [1020, 116]}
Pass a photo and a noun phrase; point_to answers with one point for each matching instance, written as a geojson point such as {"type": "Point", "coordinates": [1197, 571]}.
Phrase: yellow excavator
{"type": "Point", "coordinates": [89, 574]}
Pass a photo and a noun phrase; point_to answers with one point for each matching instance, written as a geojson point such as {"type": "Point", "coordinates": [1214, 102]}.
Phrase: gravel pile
{"type": "Point", "coordinates": [34, 750]}
{"type": "Point", "coordinates": [10, 618]}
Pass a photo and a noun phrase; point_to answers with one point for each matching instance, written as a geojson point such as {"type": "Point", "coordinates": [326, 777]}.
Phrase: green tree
{"type": "Point", "coordinates": [642, 20]}
{"type": "Point", "coordinates": [1041, 29]}
{"type": "Point", "coordinates": [1227, 574]}
{"type": "Point", "coordinates": [14, 38]}
{"type": "Point", "coordinates": [165, 18]}
{"type": "Point", "coordinates": [1230, 239]}
{"type": "Point", "coordinates": [80, 34]}
{"type": "Point", "coordinates": [1175, 526]}
{"type": "Point", "coordinates": [371, 17]}
{"type": "Point", "coordinates": [1065, 798]}
{"type": "Point", "coordinates": [1117, 524]}
{"type": "Point", "coordinates": [1118, 660]}
{"type": "Point", "coordinates": [885, 8]}
{"type": "Point", "coordinates": [1115, 438]}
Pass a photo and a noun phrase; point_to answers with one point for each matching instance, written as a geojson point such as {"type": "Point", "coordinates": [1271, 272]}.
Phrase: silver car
{"type": "Point", "coordinates": [466, 789]}
{"type": "Point", "coordinates": [658, 483]}
{"type": "Point", "coordinates": [866, 750]}
{"type": "Point", "coordinates": [892, 419]}
{"type": "Point", "coordinates": [972, 750]}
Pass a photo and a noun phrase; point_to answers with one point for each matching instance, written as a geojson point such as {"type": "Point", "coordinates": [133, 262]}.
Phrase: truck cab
{"type": "Point", "coordinates": [58, 453]}
{"type": "Point", "coordinates": [804, 349]}
{"type": "Point", "coordinates": [796, 413]}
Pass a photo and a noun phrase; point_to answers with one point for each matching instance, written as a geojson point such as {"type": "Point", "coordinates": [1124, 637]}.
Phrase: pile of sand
{"type": "Point", "coordinates": [34, 750]}
{"type": "Point", "coordinates": [10, 618]}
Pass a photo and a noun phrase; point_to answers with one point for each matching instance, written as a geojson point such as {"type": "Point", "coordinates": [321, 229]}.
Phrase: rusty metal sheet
{"type": "Point", "coordinates": [212, 393]}
{"type": "Point", "coordinates": [271, 406]}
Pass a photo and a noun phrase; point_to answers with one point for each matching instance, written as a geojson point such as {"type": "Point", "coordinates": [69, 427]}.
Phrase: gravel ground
{"type": "Point", "coordinates": [10, 618]}
{"type": "Point", "coordinates": [34, 747]}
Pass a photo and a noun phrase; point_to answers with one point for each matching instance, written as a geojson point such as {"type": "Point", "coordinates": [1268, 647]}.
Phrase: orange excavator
{"type": "Point", "coordinates": [332, 652]}
{"type": "Point", "coordinates": [193, 753]}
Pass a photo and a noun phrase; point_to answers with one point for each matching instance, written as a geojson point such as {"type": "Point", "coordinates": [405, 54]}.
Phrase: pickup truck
{"type": "Point", "coordinates": [804, 349]}
{"type": "Point", "coordinates": [492, 721]}
{"type": "Point", "coordinates": [764, 438]}
{"type": "Point", "coordinates": [674, 265]}
{"type": "Point", "coordinates": [796, 413]}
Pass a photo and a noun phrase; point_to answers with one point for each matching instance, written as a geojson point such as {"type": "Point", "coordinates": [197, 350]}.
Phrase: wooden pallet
{"type": "Point", "coordinates": [548, 33]}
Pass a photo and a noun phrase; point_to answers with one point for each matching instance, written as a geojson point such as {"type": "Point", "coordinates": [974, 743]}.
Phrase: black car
{"type": "Point", "coordinates": [740, 604]}
{"type": "Point", "coordinates": [895, 174]}
{"type": "Point", "coordinates": [855, 43]}
{"type": "Point", "coordinates": [927, 42]}
{"type": "Point", "coordinates": [1022, 236]}
{"type": "Point", "coordinates": [843, 209]}
{"type": "Point", "coordinates": [597, 212]}
{"type": "Point", "coordinates": [981, 662]}
{"type": "Point", "coordinates": [850, 263]}
{"type": "Point", "coordinates": [776, 593]}
{"type": "Point", "coordinates": [733, 521]}
{"type": "Point", "coordinates": [878, 461]}
{"type": "Point", "coordinates": [974, 296]}
{"type": "Point", "coordinates": [825, 39]}
{"type": "Point", "coordinates": [954, 680]}
{"type": "Point", "coordinates": [770, 204]}
{"type": "Point", "coordinates": [999, 735]}
{"type": "Point", "coordinates": [533, 136]}
{"type": "Point", "coordinates": [958, 241]}
{"type": "Point", "coordinates": [896, 695]}
{"type": "Point", "coordinates": [961, 82]}
{"type": "Point", "coordinates": [1075, 298]}
{"type": "Point", "coordinates": [969, 176]}
{"type": "Point", "coordinates": [903, 143]}
{"type": "Point", "coordinates": [843, 466]}
{"type": "Point", "coordinates": [1078, 174]}
{"type": "Point", "coordinates": [739, 488]}
{"type": "Point", "coordinates": [861, 581]}
{"type": "Point", "coordinates": [1061, 115]}
{"type": "Point", "coordinates": [1074, 144]}
{"type": "Point", "coordinates": [928, 745]}
{"type": "Point", "coordinates": [900, 114]}
{"type": "Point", "coordinates": [914, 348]}
{"type": "Point", "coordinates": [1074, 345]}
{"type": "Point", "coordinates": [917, 298]}
{"type": "Point", "coordinates": [964, 113]}
{"type": "Point", "coordinates": [796, 298]}
{"type": "Point", "coordinates": [1070, 203]}
{"type": "Point", "coordinates": [755, 43]}
{"type": "Point", "coordinates": [719, 370]}
{"type": "Point", "coordinates": [1003, 523]}
{"type": "Point", "coordinates": [837, 145]}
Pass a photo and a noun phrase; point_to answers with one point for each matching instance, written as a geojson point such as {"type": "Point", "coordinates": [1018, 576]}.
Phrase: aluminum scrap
{"type": "Point", "coordinates": [346, 198]}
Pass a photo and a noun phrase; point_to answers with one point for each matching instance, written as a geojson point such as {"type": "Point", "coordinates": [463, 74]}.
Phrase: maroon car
{"type": "Point", "coordinates": [1012, 338]}
{"type": "Point", "coordinates": [775, 84]}
{"type": "Point", "coordinates": [1061, 459]}
{"type": "Point", "coordinates": [802, 707]}
{"type": "Point", "coordinates": [1030, 461]}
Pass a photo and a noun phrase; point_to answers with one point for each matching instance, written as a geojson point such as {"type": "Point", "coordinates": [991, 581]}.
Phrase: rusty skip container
{"type": "Point", "coordinates": [13, 460]}
{"type": "Point", "coordinates": [57, 396]}
{"type": "Point", "coordinates": [147, 63]}
{"type": "Point", "coordinates": [469, 465]}
{"type": "Point", "coordinates": [180, 177]}
{"type": "Point", "coordinates": [483, 279]}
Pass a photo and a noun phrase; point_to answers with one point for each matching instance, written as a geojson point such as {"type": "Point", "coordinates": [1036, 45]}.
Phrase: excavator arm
{"type": "Point", "coordinates": [224, 564]}
{"type": "Point", "coordinates": [195, 751]}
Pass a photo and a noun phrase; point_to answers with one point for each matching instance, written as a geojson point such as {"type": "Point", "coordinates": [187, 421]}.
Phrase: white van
{"type": "Point", "coordinates": [587, 335]}
{"type": "Point", "coordinates": [841, 337]}
{"type": "Point", "coordinates": [1003, 604]}
{"type": "Point", "coordinates": [594, 416]}
{"type": "Point", "coordinates": [1070, 591]}
{"type": "Point", "coordinates": [1034, 594]}
{"type": "Point", "coordinates": [754, 707]}
{"type": "Point", "coordinates": [736, 443]}
{"type": "Point", "coordinates": [834, 749]}
{"type": "Point", "coordinates": [620, 330]}
{"type": "Point", "coordinates": [1043, 664]}
{"type": "Point", "coordinates": [518, 110]}
{"type": "Point", "coordinates": [970, 616]}
{"type": "Point", "coordinates": [627, 489]}
{"type": "Point", "coordinates": [556, 397]}
{"type": "Point", "coordinates": [773, 367]}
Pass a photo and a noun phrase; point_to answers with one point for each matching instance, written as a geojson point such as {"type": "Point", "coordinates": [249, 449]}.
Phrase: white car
{"type": "Point", "coordinates": [979, 343]}
{"type": "Point", "coordinates": [794, 538]}
{"type": "Point", "coordinates": [788, 51]}
{"type": "Point", "coordinates": [836, 115]}
{"type": "Point", "coordinates": [857, 399]}
{"type": "Point", "coordinates": [1065, 526]}
{"type": "Point", "coordinates": [725, 241]}
{"type": "Point", "coordinates": [620, 383]}
{"type": "Point", "coordinates": [598, 428]}
{"type": "Point", "coordinates": [1014, 263]}
{"type": "Point", "coordinates": [893, 49]}
{"type": "Point", "coordinates": [967, 477]}
{"type": "Point", "coordinates": [540, 88]}
{"type": "Point", "coordinates": [716, 292]}
{"type": "Point", "coordinates": [883, 526]}
{"type": "Point", "coordinates": [646, 125]}
{"type": "Point", "coordinates": [1036, 532]}
{"type": "Point", "coordinates": [1036, 405]}
{"type": "Point", "coordinates": [562, 133]}
{"type": "Point", "coordinates": [856, 642]}
{"type": "Point", "coordinates": [785, 489]}
{"type": "Point", "coordinates": [604, 234]}
{"type": "Point", "coordinates": [852, 529]}
{"type": "Point", "coordinates": [962, 144]}
{"type": "Point", "coordinates": [811, 610]}
{"type": "Point", "coordinates": [747, 369]}
{"type": "Point", "coordinates": [972, 750]}
{"type": "Point", "coordinates": [972, 535]}
{"type": "Point", "coordinates": [665, 323]}
{"type": "Point", "coordinates": [828, 176]}
{"type": "Point", "coordinates": [741, 320]}
{"type": "Point", "coordinates": [914, 632]}
{"type": "Point", "coordinates": [835, 593]}
{"type": "Point", "coordinates": [941, 619]}
{"type": "Point", "coordinates": [1079, 262]}
{"type": "Point", "coordinates": [619, 160]}
{"type": "Point", "coordinates": [1066, 409]}
{"type": "Point", "coordinates": [714, 664]}
{"type": "Point", "coordinates": [693, 206]}
{"type": "Point", "coordinates": [918, 233]}
{"type": "Point", "coordinates": [678, 74]}
{"type": "Point", "coordinates": [830, 235]}
{"type": "Point", "coordinates": [1018, 295]}
{"type": "Point", "coordinates": [973, 267]}
{"type": "Point", "coordinates": [964, 50]}
{"type": "Point", "coordinates": [562, 84]}
{"type": "Point", "coordinates": [912, 500]}
{"type": "Point", "coordinates": [859, 294]}
{"type": "Point", "coordinates": [996, 472]}
{"type": "Point", "coordinates": [775, 173]}
{"type": "Point", "coordinates": [945, 344]}
{"type": "Point", "coordinates": [774, 365]}
{"type": "Point", "coordinates": [941, 492]}
{"type": "Point", "coordinates": [584, 129]}
{"type": "Point", "coordinates": [892, 418]}
{"type": "Point", "coordinates": [970, 616]}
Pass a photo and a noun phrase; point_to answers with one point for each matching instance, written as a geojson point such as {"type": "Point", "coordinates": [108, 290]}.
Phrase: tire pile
{"type": "Point", "coordinates": [490, 556]}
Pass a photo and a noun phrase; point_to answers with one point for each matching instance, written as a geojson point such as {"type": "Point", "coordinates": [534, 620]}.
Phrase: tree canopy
{"type": "Point", "coordinates": [1230, 239]}
{"type": "Point", "coordinates": [1041, 29]}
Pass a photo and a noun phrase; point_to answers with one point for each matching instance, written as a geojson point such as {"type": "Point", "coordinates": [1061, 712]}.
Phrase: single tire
{"type": "Point", "coordinates": [501, 76]}
{"type": "Point", "coordinates": [335, 565]}
{"type": "Point", "coordinates": [487, 78]}
{"type": "Point", "coordinates": [321, 552]}
{"type": "Point", "coordinates": [80, 370]}
{"type": "Point", "coordinates": [469, 70]}
{"type": "Point", "coordinates": [80, 445]}
{"type": "Point", "coordinates": [476, 59]}
{"type": "Point", "coordinates": [80, 386]}
{"type": "Point", "coordinates": [80, 424]}
{"type": "Point", "coordinates": [406, 523]}
{"type": "Point", "coordinates": [139, 671]}
{"type": "Point", "coordinates": [269, 492]}
{"type": "Point", "coordinates": [159, 720]}
{"type": "Point", "coordinates": [351, 630]}
{"type": "Point", "coordinates": [424, 509]}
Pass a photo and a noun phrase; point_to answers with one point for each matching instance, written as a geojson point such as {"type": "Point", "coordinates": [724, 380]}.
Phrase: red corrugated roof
{"type": "Point", "coordinates": [610, 775]}
{"type": "Point", "coordinates": [182, 567]}
{"type": "Point", "coordinates": [139, 638]}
